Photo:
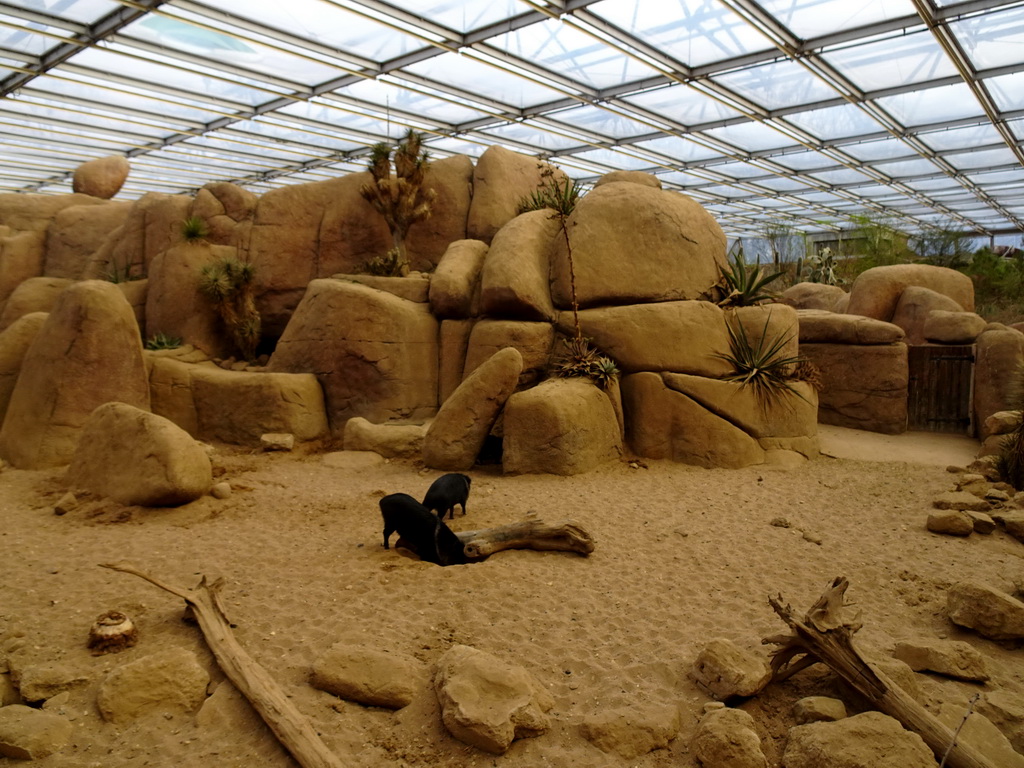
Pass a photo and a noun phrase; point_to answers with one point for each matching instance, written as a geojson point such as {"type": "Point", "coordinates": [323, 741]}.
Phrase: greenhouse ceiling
{"type": "Point", "coordinates": [794, 112]}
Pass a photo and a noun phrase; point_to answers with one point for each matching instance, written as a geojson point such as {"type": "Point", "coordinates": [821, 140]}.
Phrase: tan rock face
{"type": "Point", "coordinates": [727, 670]}
{"type": "Point", "coordinates": [170, 682]}
{"type": "Point", "coordinates": [998, 356]}
{"type": "Point", "coordinates": [876, 292]}
{"type": "Point", "coordinates": [21, 258]}
{"type": "Point", "coordinates": [389, 440]}
{"type": "Point", "coordinates": [870, 738]}
{"type": "Point", "coordinates": [375, 355]}
{"type": "Point", "coordinates": [136, 457]}
{"type": "Point", "coordinates": [813, 296]}
{"type": "Point", "coordinates": [36, 212]}
{"type": "Point", "coordinates": [632, 243]}
{"type": "Point", "coordinates": [915, 304]}
{"type": "Point", "coordinates": [533, 340]}
{"type": "Point", "coordinates": [174, 304]}
{"type": "Point", "coordinates": [633, 177]}
{"type": "Point", "coordinates": [560, 427]}
{"type": "Point", "coordinates": [451, 178]}
{"type": "Point", "coordinates": [369, 676]}
{"type": "Point", "coordinates": [458, 432]}
{"type": "Point", "coordinates": [943, 327]}
{"type": "Point", "coordinates": [456, 281]}
{"type": "Point", "coordinates": [29, 734]}
{"type": "Point", "coordinates": [501, 179]}
{"type": "Point", "coordinates": [37, 294]}
{"type": "Point", "coordinates": [486, 702]}
{"type": "Point", "coordinates": [952, 658]}
{"type": "Point", "coordinates": [726, 737]}
{"type": "Point", "coordinates": [76, 233]}
{"type": "Point", "coordinates": [863, 387]}
{"type": "Point", "coordinates": [819, 327]}
{"type": "Point", "coordinates": [102, 177]}
{"type": "Point", "coordinates": [14, 343]}
{"type": "Point", "coordinates": [632, 731]}
{"type": "Point", "coordinates": [514, 281]}
{"type": "Point", "coordinates": [453, 341]}
{"type": "Point", "coordinates": [988, 611]}
{"type": "Point", "coordinates": [228, 211]}
{"type": "Point", "coordinates": [87, 353]}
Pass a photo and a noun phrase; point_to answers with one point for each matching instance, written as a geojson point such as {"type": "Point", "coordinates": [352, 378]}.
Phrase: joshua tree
{"type": "Point", "coordinates": [228, 283]}
{"type": "Point", "coordinates": [400, 196]}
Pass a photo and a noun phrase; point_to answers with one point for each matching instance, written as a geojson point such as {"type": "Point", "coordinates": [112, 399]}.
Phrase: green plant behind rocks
{"type": "Point", "coordinates": [760, 364]}
{"type": "Point", "coordinates": [228, 284]}
{"type": "Point", "coordinates": [163, 341]}
{"type": "Point", "coordinates": [746, 284]}
{"type": "Point", "coordinates": [399, 197]}
{"type": "Point", "coordinates": [581, 359]}
{"type": "Point", "coordinates": [194, 229]}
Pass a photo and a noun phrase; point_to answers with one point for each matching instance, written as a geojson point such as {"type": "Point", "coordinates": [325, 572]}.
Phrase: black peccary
{"type": "Point", "coordinates": [447, 491]}
{"type": "Point", "coordinates": [419, 530]}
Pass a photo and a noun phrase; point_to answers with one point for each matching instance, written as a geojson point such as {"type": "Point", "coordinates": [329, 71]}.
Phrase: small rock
{"type": "Point", "coordinates": [166, 682]}
{"type": "Point", "coordinates": [951, 522]}
{"type": "Point", "coordinates": [780, 522]}
{"type": "Point", "coordinates": [982, 523]}
{"type": "Point", "coordinates": [952, 658]}
{"type": "Point", "coordinates": [369, 676]}
{"type": "Point", "coordinates": [990, 612]}
{"type": "Point", "coordinates": [1013, 522]}
{"type": "Point", "coordinates": [632, 731]}
{"type": "Point", "coordinates": [68, 502]}
{"type": "Point", "coordinates": [997, 496]}
{"type": "Point", "coordinates": [8, 692]}
{"type": "Point", "coordinates": [1018, 498]}
{"type": "Point", "coordinates": [961, 500]}
{"type": "Point", "coordinates": [811, 537]}
{"type": "Point", "coordinates": [868, 739]}
{"type": "Point", "coordinates": [1002, 422]}
{"type": "Point", "coordinates": [30, 734]}
{"type": "Point", "coordinates": [814, 709]}
{"type": "Point", "coordinates": [41, 682]}
{"type": "Point", "coordinates": [277, 441]}
{"type": "Point", "coordinates": [726, 738]}
{"type": "Point", "coordinates": [221, 490]}
{"type": "Point", "coordinates": [727, 670]}
{"type": "Point", "coordinates": [1006, 710]}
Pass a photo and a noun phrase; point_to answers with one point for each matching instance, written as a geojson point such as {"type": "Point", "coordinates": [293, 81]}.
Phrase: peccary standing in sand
{"type": "Point", "coordinates": [419, 530]}
{"type": "Point", "coordinates": [447, 491]}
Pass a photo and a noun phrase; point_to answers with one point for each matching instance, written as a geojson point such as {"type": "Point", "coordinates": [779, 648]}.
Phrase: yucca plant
{"type": "Point", "coordinates": [194, 229]}
{"type": "Point", "coordinates": [582, 360]}
{"type": "Point", "coordinates": [163, 341]}
{"type": "Point", "coordinates": [228, 284]}
{"type": "Point", "coordinates": [746, 284]}
{"type": "Point", "coordinates": [760, 364]}
{"type": "Point", "coordinates": [399, 197]}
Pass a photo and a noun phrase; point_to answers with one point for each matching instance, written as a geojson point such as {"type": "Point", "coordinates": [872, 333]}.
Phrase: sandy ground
{"type": "Point", "coordinates": [682, 555]}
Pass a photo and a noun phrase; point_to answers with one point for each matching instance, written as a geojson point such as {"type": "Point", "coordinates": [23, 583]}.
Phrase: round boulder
{"type": "Point", "coordinates": [876, 292]}
{"type": "Point", "coordinates": [102, 177]}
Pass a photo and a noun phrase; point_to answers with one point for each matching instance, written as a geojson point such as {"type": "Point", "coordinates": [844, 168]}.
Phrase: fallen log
{"type": "Point", "coordinates": [262, 691]}
{"type": "Point", "coordinates": [825, 635]}
{"type": "Point", "coordinates": [563, 536]}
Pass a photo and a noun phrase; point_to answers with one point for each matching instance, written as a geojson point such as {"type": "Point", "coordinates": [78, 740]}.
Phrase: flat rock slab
{"type": "Point", "coordinates": [28, 734]}
{"type": "Point", "coordinates": [165, 682]}
{"type": "Point", "coordinates": [632, 731]}
{"type": "Point", "coordinates": [952, 658]}
{"type": "Point", "coordinates": [869, 739]}
{"type": "Point", "coordinates": [369, 676]}
{"type": "Point", "coordinates": [987, 610]}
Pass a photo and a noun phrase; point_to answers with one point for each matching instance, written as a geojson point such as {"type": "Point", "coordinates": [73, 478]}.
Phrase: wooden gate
{"type": "Point", "coordinates": [940, 387]}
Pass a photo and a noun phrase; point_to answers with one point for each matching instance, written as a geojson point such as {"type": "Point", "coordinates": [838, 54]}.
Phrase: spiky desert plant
{"type": "Point", "coordinates": [1010, 460]}
{"type": "Point", "coordinates": [228, 284]}
{"type": "Point", "coordinates": [194, 229]}
{"type": "Point", "coordinates": [163, 341]}
{"type": "Point", "coordinates": [760, 363]}
{"type": "Point", "coordinates": [745, 284]}
{"type": "Point", "coordinates": [399, 197]}
{"type": "Point", "coordinates": [580, 359]}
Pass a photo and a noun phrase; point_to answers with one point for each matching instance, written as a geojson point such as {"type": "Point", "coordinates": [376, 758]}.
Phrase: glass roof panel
{"type": "Point", "coordinates": [841, 176]}
{"type": "Point", "coordinates": [892, 61]}
{"type": "Point", "coordinates": [680, 149]}
{"type": "Point", "coordinates": [992, 40]}
{"type": "Point", "coordinates": [902, 169]}
{"type": "Point", "coordinates": [802, 161]}
{"type": "Point", "coordinates": [19, 36]}
{"type": "Point", "coordinates": [603, 122]}
{"type": "Point", "coordinates": [475, 76]}
{"type": "Point", "coordinates": [835, 122]}
{"type": "Point", "coordinates": [961, 138]}
{"type": "Point", "coordinates": [683, 105]}
{"type": "Point", "coordinates": [933, 105]}
{"type": "Point", "coordinates": [813, 18]}
{"type": "Point", "coordinates": [572, 54]}
{"type": "Point", "coordinates": [694, 32]}
{"type": "Point", "coordinates": [751, 136]}
{"type": "Point", "coordinates": [532, 135]}
{"type": "Point", "coordinates": [736, 170]}
{"type": "Point", "coordinates": [782, 184]}
{"type": "Point", "coordinates": [462, 15]}
{"type": "Point", "coordinates": [615, 160]}
{"type": "Point", "coordinates": [991, 158]}
{"type": "Point", "coordinates": [777, 85]}
{"type": "Point", "coordinates": [883, 149]}
{"type": "Point", "coordinates": [84, 11]}
{"type": "Point", "coordinates": [394, 96]}
{"type": "Point", "coordinates": [1007, 90]}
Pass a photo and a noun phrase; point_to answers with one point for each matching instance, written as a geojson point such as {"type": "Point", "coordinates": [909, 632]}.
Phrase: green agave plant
{"type": "Point", "coordinates": [746, 284]}
{"type": "Point", "coordinates": [760, 364]}
{"type": "Point", "coordinates": [560, 197]}
{"type": "Point", "coordinates": [582, 360]}
{"type": "Point", "coordinates": [163, 341]}
{"type": "Point", "coordinates": [194, 228]}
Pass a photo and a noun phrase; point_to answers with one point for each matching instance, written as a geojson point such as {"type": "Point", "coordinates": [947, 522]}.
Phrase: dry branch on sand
{"type": "Point", "coordinates": [826, 636]}
{"type": "Point", "coordinates": [262, 691]}
{"type": "Point", "coordinates": [564, 536]}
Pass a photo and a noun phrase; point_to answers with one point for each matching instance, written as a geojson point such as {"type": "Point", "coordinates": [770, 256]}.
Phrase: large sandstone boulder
{"type": "Point", "coordinates": [514, 280]}
{"type": "Point", "coordinates": [664, 424]}
{"type": "Point", "coordinates": [153, 225]}
{"type": "Point", "coordinates": [76, 233]}
{"type": "Point", "coordinates": [868, 739]}
{"type": "Point", "coordinates": [459, 430]}
{"type": "Point", "coordinates": [820, 327]}
{"type": "Point", "coordinates": [228, 211]}
{"type": "Point", "coordinates": [167, 682]}
{"type": "Point", "coordinates": [454, 342]}
{"type": "Point", "coordinates": [953, 327]}
{"type": "Point", "coordinates": [308, 231]}
{"type": "Point", "coordinates": [990, 612]}
{"type": "Point", "coordinates": [501, 179]}
{"type": "Point", "coordinates": [633, 177]}
{"type": "Point", "coordinates": [376, 355]}
{"type": "Point", "coordinates": [982, 734]}
{"type": "Point", "coordinates": [876, 292]}
{"type": "Point", "coordinates": [632, 243]}
{"type": "Point", "coordinates": [559, 427]}
{"type": "Point", "coordinates": [863, 387]}
{"type": "Point", "coordinates": [389, 440]}
{"type": "Point", "coordinates": [678, 336]}
{"type": "Point", "coordinates": [915, 304]}
{"type": "Point", "coordinates": [21, 258]}
{"type": "Point", "coordinates": [37, 294]}
{"type": "Point", "coordinates": [176, 307]}
{"type": "Point", "coordinates": [766, 325]}
{"type": "Point", "coordinates": [998, 357]}
{"type": "Point", "coordinates": [533, 340]}
{"type": "Point", "coordinates": [451, 178]}
{"type": "Point", "coordinates": [136, 457]}
{"type": "Point", "coordinates": [486, 702]}
{"type": "Point", "coordinates": [87, 353]}
{"type": "Point", "coordinates": [456, 281]}
{"type": "Point", "coordinates": [813, 296]}
{"type": "Point", "coordinates": [14, 343]}
{"type": "Point", "coordinates": [32, 212]}
{"type": "Point", "coordinates": [102, 177]}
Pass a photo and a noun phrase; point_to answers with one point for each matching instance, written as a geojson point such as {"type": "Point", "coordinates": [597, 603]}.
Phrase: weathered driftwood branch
{"type": "Point", "coordinates": [262, 691]}
{"type": "Point", "coordinates": [823, 635]}
{"type": "Point", "coordinates": [564, 535]}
